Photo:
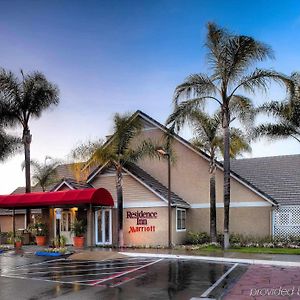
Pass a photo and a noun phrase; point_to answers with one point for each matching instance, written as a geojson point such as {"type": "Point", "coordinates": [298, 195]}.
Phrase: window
{"type": "Point", "coordinates": [180, 219]}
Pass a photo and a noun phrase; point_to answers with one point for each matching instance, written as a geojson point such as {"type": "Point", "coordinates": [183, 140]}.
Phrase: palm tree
{"type": "Point", "coordinates": [44, 173]}
{"type": "Point", "coordinates": [117, 152]}
{"type": "Point", "coordinates": [22, 100]}
{"type": "Point", "coordinates": [231, 58]}
{"type": "Point", "coordinates": [208, 137]}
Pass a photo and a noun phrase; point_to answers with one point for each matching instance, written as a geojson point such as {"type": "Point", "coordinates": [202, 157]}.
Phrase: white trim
{"type": "Point", "coordinates": [146, 186]}
{"type": "Point", "coordinates": [183, 229]}
{"type": "Point", "coordinates": [102, 211]}
{"type": "Point", "coordinates": [149, 128]}
{"type": "Point", "coordinates": [233, 204]}
{"type": "Point", "coordinates": [140, 204]}
{"type": "Point", "coordinates": [112, 175]}
{"type": "Point", "coordinates": [182, 141]}
{"type": "Point", "coordinates": [64, 182]}
{"type": "Point", "coordinates": [25, 219]}
{"type": "Point", "coordinates": [136, 178]}
{"type": "Point", "coordinates": [95, 174]}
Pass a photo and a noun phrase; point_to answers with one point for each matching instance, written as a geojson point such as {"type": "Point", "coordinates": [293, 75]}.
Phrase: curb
{"type": "Point", "coordinates": [218, 259]}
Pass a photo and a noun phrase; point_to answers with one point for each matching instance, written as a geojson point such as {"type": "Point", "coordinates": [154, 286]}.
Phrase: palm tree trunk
{"type": "Point", "coordinates": [27, 141]}
{"type": "Point", "coordinates": [226, 178]}
{"type": "Point", "coordinates": [120, 206]}
{"type": "Point", "coordinates": [213, 213]}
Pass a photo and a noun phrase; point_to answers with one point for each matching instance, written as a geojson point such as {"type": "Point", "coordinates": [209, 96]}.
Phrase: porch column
{"type": "Point", "coordinates": [47, 216]}
{"type": "Point", "coordinates": [90, 227]}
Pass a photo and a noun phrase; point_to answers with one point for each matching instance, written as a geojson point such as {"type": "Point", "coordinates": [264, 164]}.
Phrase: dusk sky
{"type": "Point", "coordinates": [120, 56]}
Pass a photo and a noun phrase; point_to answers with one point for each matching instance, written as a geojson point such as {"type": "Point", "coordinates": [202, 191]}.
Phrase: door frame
{"type": "Point", "coordinates": [102, 210]}
{"type": "Point", "coordinates": [55, 223]}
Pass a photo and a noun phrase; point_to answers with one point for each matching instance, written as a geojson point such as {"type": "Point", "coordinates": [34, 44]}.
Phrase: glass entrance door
{"type": "Point", "coordinates": [103, 227]}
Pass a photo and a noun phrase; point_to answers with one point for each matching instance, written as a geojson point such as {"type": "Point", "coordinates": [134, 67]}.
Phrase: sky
{"type": "Point", "coordinates": [119, 56]}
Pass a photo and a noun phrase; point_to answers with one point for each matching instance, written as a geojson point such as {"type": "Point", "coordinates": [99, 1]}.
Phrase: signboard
{"type": "Point", "coordinates": [142, 218]}
{"type": "Point", "coordinates": [58, 214]}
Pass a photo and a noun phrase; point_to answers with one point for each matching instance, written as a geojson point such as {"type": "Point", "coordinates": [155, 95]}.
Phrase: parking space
{"type": "Point", "coordinates": [90, 273]}
{"type": "Point", "coordinates": [126, 278]}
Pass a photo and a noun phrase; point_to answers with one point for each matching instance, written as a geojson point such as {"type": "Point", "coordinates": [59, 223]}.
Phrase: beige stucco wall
{"type": "Point", "coordinates": [147, 238]}
{"type": "Point", "coordinates": [133, 190]}
{"type": "Point", "coordinates": [254, 221]}
{"type": "Point", "coordinates": [190, 175]}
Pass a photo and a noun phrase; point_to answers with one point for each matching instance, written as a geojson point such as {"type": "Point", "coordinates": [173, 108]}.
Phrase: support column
{"type": "Point", "coordinates": [90, 227]}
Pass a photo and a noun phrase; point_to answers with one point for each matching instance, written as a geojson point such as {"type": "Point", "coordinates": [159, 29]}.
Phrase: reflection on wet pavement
{"type": "Point", "coordinates": [128, 278]}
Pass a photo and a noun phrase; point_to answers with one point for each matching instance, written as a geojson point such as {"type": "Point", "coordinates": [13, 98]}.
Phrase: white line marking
{"type": "Point", "coordinates": [28, 267]}
{"type": "Point", "coordinates": [127, 272]}
{"type": "Point", "coordinates": [128, 280]}
{"type": "Point", "coordinates": [80, 275]}
{"type": "Point", "coordinates": [208, 291]}
{"type": "Point", "coordinates": [79, 270]}
{"type": "Point", "coordinates": [40, 279]}
{"type": "Point", "coordinates": [40, 263]}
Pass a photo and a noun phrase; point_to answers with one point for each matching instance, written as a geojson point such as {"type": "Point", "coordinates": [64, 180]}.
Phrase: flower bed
{"type": "Point", "coordinates": [53, 252]}
{"type": "Point", "coordinates": [201, 240]}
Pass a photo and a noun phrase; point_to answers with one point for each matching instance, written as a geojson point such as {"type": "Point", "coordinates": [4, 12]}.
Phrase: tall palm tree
{"type": "Point", "coordinates": [44, 173]}
{"type": "Point", "coordinates": [118, 151]}
{"type": "Point", "coordinates": [231, 59]}
{"type": "Point", "coordinates": [23, 99]}
{"type": "Point", "coordinates": [208, 138]}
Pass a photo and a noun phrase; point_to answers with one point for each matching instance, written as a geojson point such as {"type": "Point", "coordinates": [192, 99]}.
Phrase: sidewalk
{"type": "Point", "coordinates": [251, 256]}
{"type": "Point", "coordinates": [227, 255]}
{"type": "Point", "coordinates": [266, 282]}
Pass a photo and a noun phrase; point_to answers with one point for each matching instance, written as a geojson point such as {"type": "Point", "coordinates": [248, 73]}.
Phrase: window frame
{"type": "Point", "coordinates": [180, 229]}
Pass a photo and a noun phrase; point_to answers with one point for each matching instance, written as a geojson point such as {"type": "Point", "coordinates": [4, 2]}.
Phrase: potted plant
{"type": "Point", "coordinates": [18, 242]}
{"type": "Point", "coordinates": [78, 228]}
{"type": "Point", "coordinates": [40, 230]}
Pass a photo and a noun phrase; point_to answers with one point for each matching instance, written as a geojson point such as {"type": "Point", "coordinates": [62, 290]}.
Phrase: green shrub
{"type": "Point", "coordinates": [195, 238]}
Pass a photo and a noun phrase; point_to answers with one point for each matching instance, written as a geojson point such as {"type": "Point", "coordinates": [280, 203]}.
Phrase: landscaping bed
{"type": "Point", "coordinates": [54, 252]}
{"type": "Point", "coordinates": [243, 244]}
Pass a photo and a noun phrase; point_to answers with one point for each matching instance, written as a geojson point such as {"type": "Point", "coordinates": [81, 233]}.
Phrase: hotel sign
{"type": "Point", "coordinates": [142, 218]}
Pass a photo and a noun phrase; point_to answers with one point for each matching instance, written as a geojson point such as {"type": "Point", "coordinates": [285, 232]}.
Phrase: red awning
{"type": "Point", "coordinates": [96, 197]}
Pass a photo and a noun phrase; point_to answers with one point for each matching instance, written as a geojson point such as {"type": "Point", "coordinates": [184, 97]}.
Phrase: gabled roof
{"type": "Point", "coordinates": [277, 176]}
{"type": "Point", "coordinates": [148, 181]}
{"type": "Point", "coordinates": [241, 179]}
{"type": "Point", "coordinates": [155, 185]}
{"type": "Point", "coordinates": [72, 184]}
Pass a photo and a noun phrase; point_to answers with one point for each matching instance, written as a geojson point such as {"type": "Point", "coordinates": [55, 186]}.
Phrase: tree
{"type": "Point", "coordinates": [231, 59]}
{"type": "Point", "coordinates": [118, 151]}
{"type": "Point", "coordinates": [44, 173]}
{"type": "Point", "coordinates": [22, 100]}
{"type": "Point", "coordinates": [208, 138]}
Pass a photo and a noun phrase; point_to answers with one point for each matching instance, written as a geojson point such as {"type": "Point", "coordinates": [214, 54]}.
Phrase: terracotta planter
{"type": "Point", "coordinates": [18, 245]}
{"type": "Point", "coordinates": [40, 240]}
{"type": "Point", "coordinates": [78, 241]}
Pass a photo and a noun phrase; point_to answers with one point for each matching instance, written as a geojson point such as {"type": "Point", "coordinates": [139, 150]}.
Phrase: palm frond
{"type": "Point", "coordinates": [277, 131]}
{"type": "Point", "coordinates": [9, 145]}
{"type": "Point", "coordinates": [147, 148]}
{"type": "Point", "coordinates": [44, 174]}
{"type": "Point", "coordinates": [260, 79]}
{"type": "Point", "coordinates": [195, 86]}
{"type": "Point", "coordinates": [242, 108]}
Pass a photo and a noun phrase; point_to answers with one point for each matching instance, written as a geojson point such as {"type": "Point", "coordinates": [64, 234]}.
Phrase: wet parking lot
{"type": "Point", "coordinates": [126, 278]}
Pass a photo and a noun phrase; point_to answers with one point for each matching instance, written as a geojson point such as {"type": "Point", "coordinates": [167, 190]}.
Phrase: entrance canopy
{"type": "Point", "coordinates": [95, 197]}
